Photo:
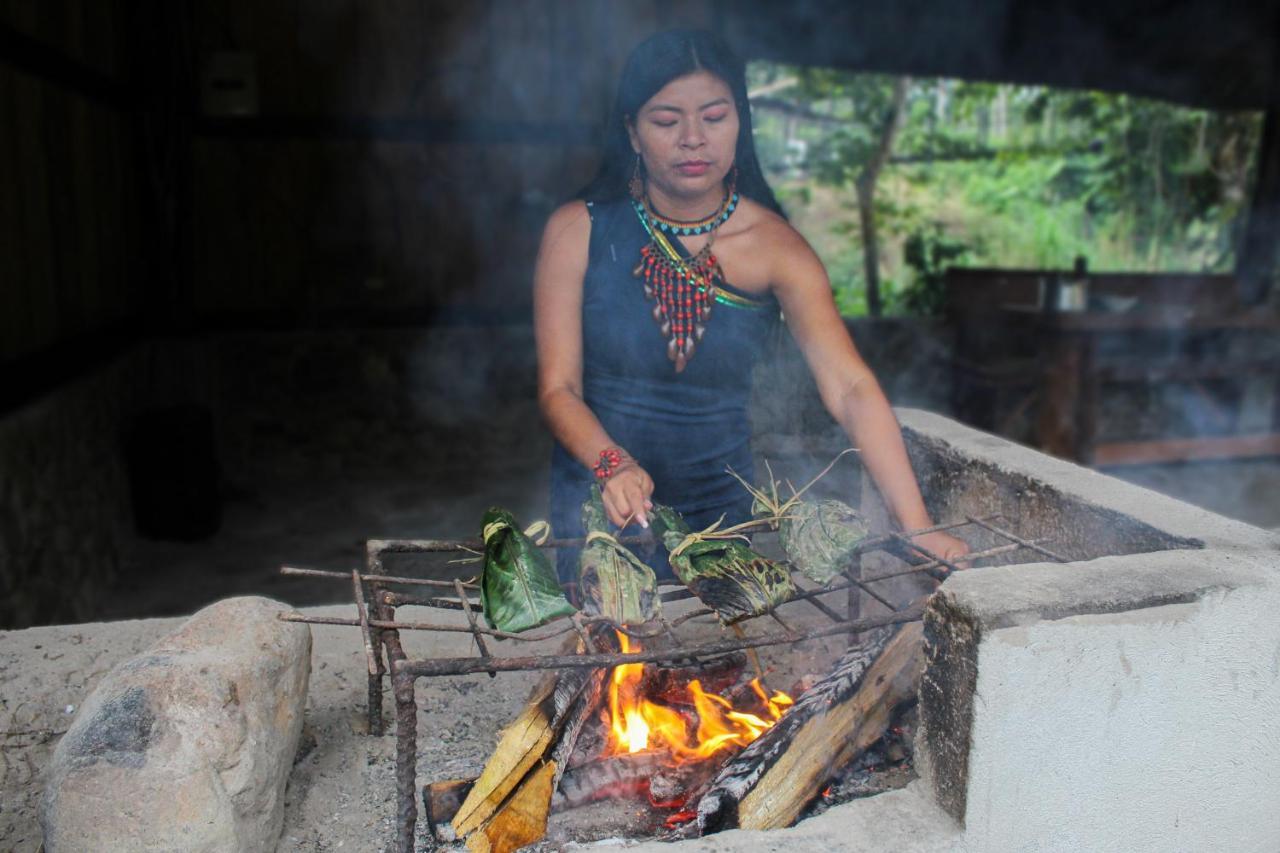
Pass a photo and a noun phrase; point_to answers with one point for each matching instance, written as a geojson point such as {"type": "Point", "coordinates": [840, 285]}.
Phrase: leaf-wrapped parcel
{"type": "Point", "coordinates": [614, 582]}
{"type": "Point", "coordinates": [518, 587]}
{"type": "Point", "coordinates": [724, 573]}
{"type": "Point", "coordinates": [820, 538]}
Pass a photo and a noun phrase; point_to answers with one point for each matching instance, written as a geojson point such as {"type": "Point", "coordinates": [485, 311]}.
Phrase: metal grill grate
{"type": "Point", "coordinates": [376, 606]}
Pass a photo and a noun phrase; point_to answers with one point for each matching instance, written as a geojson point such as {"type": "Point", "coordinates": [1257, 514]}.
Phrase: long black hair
{"type": "Point", "coordinates": [654, 63]}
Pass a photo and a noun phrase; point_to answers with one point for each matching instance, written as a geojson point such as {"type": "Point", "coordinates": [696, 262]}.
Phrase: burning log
{"type": "Point", "coordinates": [767, 784]}
{"type": "Point", "coordinates": [554, 709]}
{"type": "Point", "coordinates": [578, 716]}
{"type": "Point", "coordinates": [607, 776]}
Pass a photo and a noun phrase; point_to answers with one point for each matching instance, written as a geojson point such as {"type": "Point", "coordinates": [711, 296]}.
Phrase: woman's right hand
{"type": "Point", "coordinates": [627, 494]}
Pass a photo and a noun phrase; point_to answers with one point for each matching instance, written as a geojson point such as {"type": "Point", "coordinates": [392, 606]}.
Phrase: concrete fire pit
{"type": "Point", "coordinates": [1125, 700]}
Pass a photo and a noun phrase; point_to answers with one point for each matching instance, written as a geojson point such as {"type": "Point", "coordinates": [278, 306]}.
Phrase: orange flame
{"type": "Point", "coordinates": [638, 724]}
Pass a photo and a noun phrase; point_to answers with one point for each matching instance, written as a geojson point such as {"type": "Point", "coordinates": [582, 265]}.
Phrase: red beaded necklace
{"type": "Point", "coordinates": [682, 289]}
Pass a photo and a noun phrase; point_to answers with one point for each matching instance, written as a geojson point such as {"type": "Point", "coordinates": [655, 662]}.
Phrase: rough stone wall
{"type": "Point", "coordinates": [64, 500]}
{"type": "Point", "coordinates": [409, 400]}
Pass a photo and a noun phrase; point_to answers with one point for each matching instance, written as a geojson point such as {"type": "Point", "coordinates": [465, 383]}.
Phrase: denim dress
{"type": "Point", "coordinates": [685, 429]}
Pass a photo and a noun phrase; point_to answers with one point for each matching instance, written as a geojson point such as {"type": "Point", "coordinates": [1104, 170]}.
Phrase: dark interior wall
{"type": "Point", "coordinates": [405, 155]}
{"type": "Point", "coordinates": [68, 179]}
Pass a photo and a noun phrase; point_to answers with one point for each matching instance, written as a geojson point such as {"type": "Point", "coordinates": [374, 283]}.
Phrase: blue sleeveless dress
{"type": "Point", "coordinates": [683, 428]}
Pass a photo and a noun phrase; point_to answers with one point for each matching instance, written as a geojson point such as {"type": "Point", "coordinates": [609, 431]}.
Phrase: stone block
{"type": "Point", "coordinates": [187, 746]}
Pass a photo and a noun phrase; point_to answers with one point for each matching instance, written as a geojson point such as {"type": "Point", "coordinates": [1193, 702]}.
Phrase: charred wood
{"type": "Point", "coordinates": [768, 784]}
{"type": "Point", "coordinates": [440, 802]}
{"type": "Point", "coordinates": [673, 787]}
{"type": "Point", "coordinates": [606, 777]}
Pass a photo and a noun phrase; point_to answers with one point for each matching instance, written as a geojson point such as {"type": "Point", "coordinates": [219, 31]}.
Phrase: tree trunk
{"type": "Point", "coordinates": [865, 187]}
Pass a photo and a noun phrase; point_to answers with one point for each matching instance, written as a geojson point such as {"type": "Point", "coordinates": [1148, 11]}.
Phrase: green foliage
{"type": "Point", "coordinates": [1001, 175]}
{"type": "Point", "coordinates": [928, 251]}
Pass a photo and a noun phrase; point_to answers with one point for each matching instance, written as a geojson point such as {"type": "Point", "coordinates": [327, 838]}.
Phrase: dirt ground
{"type": "Point", "coordinates": [341, 794]}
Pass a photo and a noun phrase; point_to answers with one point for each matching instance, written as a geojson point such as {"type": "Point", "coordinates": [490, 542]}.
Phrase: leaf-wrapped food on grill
{"type": "Point", "coordinates": [819, 537]}
{"type": "Point", "coordinates": [720, 568]}
{"type": "Point", "coordinates": [518, 587]}
{"type": "Point", "coordinates": [614, 582]}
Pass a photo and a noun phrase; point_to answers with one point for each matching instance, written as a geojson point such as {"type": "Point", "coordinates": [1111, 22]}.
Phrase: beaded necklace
{"type": "Point", "coordinates": [682, 289]}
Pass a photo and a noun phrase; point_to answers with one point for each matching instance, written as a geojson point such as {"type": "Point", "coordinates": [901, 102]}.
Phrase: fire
{"type": "Point", "coordinates": [638, 724]}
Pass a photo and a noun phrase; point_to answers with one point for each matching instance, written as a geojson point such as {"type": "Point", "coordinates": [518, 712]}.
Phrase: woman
{"type": "Point", "coordinates": [654, 294]}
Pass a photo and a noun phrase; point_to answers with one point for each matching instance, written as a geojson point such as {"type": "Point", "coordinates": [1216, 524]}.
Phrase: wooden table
{"type": "Point", "coordinates": [1066, 424]}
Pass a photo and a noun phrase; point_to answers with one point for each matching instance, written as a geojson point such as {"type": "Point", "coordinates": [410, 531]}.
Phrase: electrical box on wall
{"type": "Point", "coordinates": [229, 85]}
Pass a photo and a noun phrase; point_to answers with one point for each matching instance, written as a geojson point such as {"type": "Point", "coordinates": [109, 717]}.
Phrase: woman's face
{"type": "Point", "coordinates": [687, 134]}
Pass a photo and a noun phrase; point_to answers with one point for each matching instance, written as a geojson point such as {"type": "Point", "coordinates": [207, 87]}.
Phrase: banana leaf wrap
{"type": "Point", "coordinates": [614, 582]}
{"type": "Point", "coordinates": [725, 574]}
{"type": "Point", "coordinates": [518, 587]}
{"type": "Point", "coordinates": [820, 537]}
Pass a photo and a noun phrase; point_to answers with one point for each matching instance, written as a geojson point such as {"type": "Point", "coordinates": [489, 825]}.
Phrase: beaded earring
{"type": "Point", "coordinates": [636, 184]}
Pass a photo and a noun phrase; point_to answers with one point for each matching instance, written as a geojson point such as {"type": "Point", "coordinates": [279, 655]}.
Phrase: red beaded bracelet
{"type": "Point", "coordinates": [610, 460]}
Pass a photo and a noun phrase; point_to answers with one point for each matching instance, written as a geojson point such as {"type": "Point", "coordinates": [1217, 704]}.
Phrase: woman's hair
{"type": "Point", "coordinates": [653, 64]}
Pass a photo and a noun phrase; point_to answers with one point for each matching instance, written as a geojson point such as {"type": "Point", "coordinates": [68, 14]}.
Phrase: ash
{"type": "Point", "coordinates": [885, 766]}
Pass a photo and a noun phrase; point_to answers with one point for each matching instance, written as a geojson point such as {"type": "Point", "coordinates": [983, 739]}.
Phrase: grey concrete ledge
{"type": "Point", "coordinates": [1169, 515]}
{"type": "Point", "coordinates": [1007, 596]}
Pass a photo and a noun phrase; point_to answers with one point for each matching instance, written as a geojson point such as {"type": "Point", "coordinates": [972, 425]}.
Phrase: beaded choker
{"type": "Point", "coordinates": [682, 289]}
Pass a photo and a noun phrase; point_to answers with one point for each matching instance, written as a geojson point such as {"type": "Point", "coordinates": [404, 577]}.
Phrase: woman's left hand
{"type": "Point", "coordinates": [944, 545]}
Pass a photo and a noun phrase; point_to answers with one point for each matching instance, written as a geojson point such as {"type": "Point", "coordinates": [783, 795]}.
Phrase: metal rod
{"type": "Point", "coordinates": [467, 666]}
{"type": "Point", "coordinates": [583, 634]}
{"type": "Point", "coordinates": [924, 567]}
{"type": "Point", "coordinates": [406, 758]}
{"type": "Point", "coordinates": [773, 614]}
{"type": "Point", "coordinates": [363, 613]}
{"type": "Point", "coordinates": [880, 541]}
{"type": "Point", "coordinates": [1025, 543]}
{"type": "Point", "coordinates": [905, 541]}
{"type": "Point", "coordinates": [369, 576]}
{"type": "Point", "coordinates": [475, 627]}
{"type": "Point", "coordinates": [401, 599]}
{"type": "Point", "coordinates": [430, 546]}
{"type": "Point", "coordinates": [827, 611]}
{"type": "Point", "coordinates": [374, 708]}
{"type": "Point", "coordinates": [501, 635]}
{"type": "Point", "coordinates": [853, 604]}
{"type": "Point", "coordinates": [871, 592]}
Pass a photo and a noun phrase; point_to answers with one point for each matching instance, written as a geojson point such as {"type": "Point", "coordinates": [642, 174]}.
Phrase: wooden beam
{"type": "Point", "coordinates": [1186, 449]}
{"type": "Point", "coordinates": [426, 131]}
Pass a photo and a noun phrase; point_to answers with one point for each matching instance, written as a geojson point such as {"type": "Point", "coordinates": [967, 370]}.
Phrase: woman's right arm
{"type": "Point", "coordinates": [557, 324]}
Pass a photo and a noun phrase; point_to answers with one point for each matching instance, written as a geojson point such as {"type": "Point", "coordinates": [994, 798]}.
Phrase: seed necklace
{"type": "Point", "coordinates": [682, 289]}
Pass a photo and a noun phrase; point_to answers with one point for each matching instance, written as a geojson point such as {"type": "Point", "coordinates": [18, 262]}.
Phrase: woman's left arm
{"type": "Point", "coordinates": [847, 386]}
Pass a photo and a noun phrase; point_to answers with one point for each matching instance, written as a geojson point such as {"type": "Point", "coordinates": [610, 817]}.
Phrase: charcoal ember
{"type": "Point", "coordinates": [675, 785]}
{"type": "Point", "coordinates": [885, 766]}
